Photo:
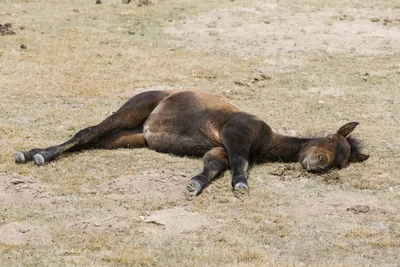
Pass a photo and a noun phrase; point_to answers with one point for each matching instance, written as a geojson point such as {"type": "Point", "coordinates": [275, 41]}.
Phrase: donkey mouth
{"type": "Point", "coordinates": [312, 165]}
{"type": "Point", "coordinates": [306, 164]}
{"type": "Point", "coordinates": [308, 167]}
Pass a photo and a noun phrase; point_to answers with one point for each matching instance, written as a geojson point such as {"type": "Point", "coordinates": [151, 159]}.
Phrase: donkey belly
{"type": "Point", "coordinates": [164, 131]}
{"type": "Point", "coordinates": [186, 123]}
{"type": "Point", "coordinates": [173, 142]}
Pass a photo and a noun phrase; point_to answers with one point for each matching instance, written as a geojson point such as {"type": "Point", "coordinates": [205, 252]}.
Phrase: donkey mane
{"type": "Point", "coordinates": [355, 145]}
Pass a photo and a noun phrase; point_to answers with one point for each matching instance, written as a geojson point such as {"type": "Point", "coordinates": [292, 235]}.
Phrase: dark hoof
{"type": "Point", "coordinates": [241, 190]}
{"type": "Point", "coordinates": [193, 188]}
{"type": "Point", "coordinates": [19, 157]}
{"type": "Point", "coordinates": [38, 159]}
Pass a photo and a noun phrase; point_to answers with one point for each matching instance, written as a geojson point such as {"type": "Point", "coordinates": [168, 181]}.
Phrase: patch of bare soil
{"type": "Point", "coordinates": [23, 233]}
{"type": "Point", "coordinates": [23, 202]}
{"type": "Point", "coordinates": [16, 189]}
{"type": "Point", "coordinates": [155, 185]}
{"type": "Point", "coordinates": [175, 220]}
{"type": "Point", "coordinates": [267, 28]}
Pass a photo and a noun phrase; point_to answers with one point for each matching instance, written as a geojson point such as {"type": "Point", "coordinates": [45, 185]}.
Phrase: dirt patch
{"type": "Point", "coordinates": [265, 28]}
{"type": "Point", "coordinates": [156, 185]}
{"type": "Point", "coordinates": [23, 233]}
{"type": "Point", "coordinates": [23, 200]}
{"type": "Point", "coordinates": [16, 189]}
{"type": "Point", "coordinates": [175, 220]}
{"type": "Point", "coordinates": [103, 223]}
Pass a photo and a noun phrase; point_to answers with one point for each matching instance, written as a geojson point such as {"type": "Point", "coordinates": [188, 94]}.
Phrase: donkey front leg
{"type": "Point", "coordinates": [237, 139]}
{"type": "Point", "coordinates": [215, 163]}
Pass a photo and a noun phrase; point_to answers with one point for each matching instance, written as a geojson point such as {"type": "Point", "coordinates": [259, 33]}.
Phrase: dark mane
{"type": "Point", "coordinates": [355, 145]}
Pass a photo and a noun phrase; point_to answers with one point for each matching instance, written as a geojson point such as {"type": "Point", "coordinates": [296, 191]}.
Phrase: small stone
{"type": "Point", "coordinates": [17, 181]}
{"type": "Point", "coordinates": [263, 74]}
{"type": "Point", "coordinates": [98, 2]}
{"type": "Point", "coordinates": [23, 46]}
{"type": "Point", "coordinates": [375, 20]}
{"type": "Point", "coordinates": [359, 209]}
{"type": "Point", "coordinates": [143, 2]}
{"type": "Point", "coordinates": [75, 10]}
{"type": "Point", "coordinates": [241, 83]}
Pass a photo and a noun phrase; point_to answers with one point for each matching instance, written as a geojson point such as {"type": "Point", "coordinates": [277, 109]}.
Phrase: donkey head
{"type": "Point", "coordinates": [333, 151]}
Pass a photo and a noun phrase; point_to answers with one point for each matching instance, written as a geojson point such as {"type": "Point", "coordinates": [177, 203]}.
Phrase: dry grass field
{"type": "Point", "coordinates": [305, 67]}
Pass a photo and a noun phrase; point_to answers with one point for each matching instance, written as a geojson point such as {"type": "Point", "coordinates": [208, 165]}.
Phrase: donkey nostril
{"type": "Point", "coordinates": [320, 157]}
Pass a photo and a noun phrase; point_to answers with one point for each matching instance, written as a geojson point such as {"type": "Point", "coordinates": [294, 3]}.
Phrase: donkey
{"type": "Point", "coordinates": [194, 123]}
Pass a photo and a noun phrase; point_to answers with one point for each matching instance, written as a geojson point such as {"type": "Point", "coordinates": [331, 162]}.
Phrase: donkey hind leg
{"type": "Point", "coordinates": [131, 115]}
{"type": "Point", "coordinates": [122, 139]}
{"type": "Point", "coordinates": [215, 163]}
{"type": "Point", "coordinates": [85, 136]}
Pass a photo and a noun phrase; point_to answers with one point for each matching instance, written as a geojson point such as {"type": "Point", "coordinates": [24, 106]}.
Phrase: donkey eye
{"type": "Point", "coordinates": [329, 138]}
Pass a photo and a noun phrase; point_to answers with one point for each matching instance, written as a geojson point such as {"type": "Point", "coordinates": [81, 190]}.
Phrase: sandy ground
{"type": "Point", "coordinates": [305, 68]}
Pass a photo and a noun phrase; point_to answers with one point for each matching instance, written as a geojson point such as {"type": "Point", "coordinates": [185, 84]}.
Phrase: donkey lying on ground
{"type": "Point", "coordinates": [192, 123]}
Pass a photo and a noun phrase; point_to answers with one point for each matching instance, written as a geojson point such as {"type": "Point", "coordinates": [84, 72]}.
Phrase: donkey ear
{"type": "Point", "coordinates": [358, 157]}
{"type": "Point", "coordinates": [346, 129]}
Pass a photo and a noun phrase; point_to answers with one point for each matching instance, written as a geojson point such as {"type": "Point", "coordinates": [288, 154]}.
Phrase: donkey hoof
{"type": "Point", "coordinates": [193, 188]}
{"type": "Point", "coordinates": [38, 159]}
{"type": "Point", "coordinates": [241, 190]}
{"type": "Point", "coordinates": [19, 157]}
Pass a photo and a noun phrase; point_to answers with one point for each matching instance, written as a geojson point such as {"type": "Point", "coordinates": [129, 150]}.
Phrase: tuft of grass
{"type": "Point", "coordinates": [385, 242]}
{"type": "Point", "coordinates": [361, 233]}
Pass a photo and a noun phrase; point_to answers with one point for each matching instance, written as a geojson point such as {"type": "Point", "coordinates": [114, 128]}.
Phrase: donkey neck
{"type": "Point", "coordinates": [285, 148]}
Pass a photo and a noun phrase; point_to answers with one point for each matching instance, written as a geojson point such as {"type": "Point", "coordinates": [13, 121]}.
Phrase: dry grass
{"type": "Point", "coordinates": [326, 62]}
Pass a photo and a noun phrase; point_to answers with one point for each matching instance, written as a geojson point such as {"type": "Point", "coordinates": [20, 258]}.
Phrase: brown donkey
{"type": "Point", "coordinates": [193, 123]}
